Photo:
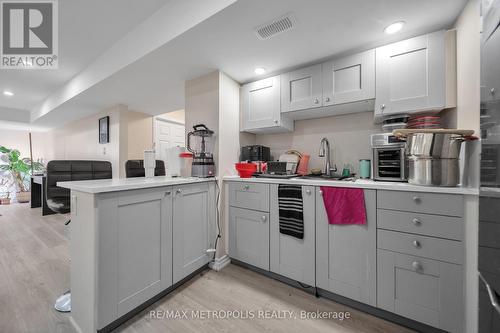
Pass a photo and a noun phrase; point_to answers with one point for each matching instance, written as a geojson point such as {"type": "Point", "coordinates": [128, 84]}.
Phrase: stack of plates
{"type": "Point", "coordinates": [424, 120]}
{"type": "Point", "coordinates": [394, 122]}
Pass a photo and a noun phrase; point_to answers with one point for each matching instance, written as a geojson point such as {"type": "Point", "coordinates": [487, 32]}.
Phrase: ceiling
{"type": "Point", "coordinates": [86, 29]}
{"type": "Point", "coordinates": [226, 41]}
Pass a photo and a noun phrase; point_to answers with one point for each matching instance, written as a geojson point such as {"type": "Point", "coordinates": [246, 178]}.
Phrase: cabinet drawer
{"type": "Point", "coordinates": [422, 246]}
{"type": "Point", "coordinates": [249, 195]}
{"type": "Point", "coordinates": [423, 224]}
{"type": "Point", "coordinates": [431, 203]}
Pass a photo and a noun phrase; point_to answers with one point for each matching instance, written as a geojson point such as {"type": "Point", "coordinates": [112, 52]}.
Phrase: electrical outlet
{"type": "Point", "coordinates": [104, 150]}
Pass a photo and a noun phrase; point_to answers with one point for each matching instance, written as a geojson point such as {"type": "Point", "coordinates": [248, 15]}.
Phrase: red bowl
{"type": "Point", "coordinates": [246, 170]}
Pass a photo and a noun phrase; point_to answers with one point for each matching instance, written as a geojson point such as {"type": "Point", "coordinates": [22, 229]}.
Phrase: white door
{"type": "Point", "coordinates": [168, 134]}
{"type": "Point", "coordinates": [260, 103]}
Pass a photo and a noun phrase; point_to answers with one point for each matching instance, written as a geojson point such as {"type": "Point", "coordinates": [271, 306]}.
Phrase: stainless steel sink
{"type": "Point", "coordinates": [325, 177]}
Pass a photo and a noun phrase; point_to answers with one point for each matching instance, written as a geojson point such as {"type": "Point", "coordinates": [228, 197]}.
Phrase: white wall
{"type": "Point", "coordinates": [130, 134]}
{"type": "Point", "coordinates": [349, 137]}
{"type": "Point", "coordinates": [19, 139]}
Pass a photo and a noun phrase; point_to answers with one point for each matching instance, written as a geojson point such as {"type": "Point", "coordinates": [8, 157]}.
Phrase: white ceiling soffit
{"type": "Point", "coordinates": [173, 19]}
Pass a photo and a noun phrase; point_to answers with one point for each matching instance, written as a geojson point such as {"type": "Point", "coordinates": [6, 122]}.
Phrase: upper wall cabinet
{"type": "Point", "coordinates": [349, 79]}
{"type": "Point", "coordinates": [261, 107]}
{"type": "Point", "coordinates": [301, 89]}
{"type": "Point", "coordinates": [416, 74]}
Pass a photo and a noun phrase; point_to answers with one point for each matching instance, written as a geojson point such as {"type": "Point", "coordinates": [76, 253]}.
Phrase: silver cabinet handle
{"type": "Point", "coordinates": [492, 91]}
{"type": "Point", "coordinates": [264, 218]}
{"type": "Point", "coordinates": [382, 107]}
{"type": "Point", "coordinates": [178, 191]}
{"type": "Point", "coordinates": [416, 199]}
{"type": "Point", "coordinates": [276, 122]}
{"type": "Point", "coordinates": [327, 99]}
{"type": "Point", "coordinates": [308, 192]}
{"type": "Point", "coordinates": [416, 221]}
{"type": "Point", "coordinates": [168, 193]}
{"type": "Point", "coordinates": [316, 101]}
{"type": "Point", "coordinates": [416, 265]}
{"type": "Point", "coordinates": [246, 187]}
{"type": "Point", "coordinates": [416, 244]}
{"type": "Point", "coordinates": [320, 192]}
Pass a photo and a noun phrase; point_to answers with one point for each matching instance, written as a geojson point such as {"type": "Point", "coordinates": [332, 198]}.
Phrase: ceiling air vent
{"type": "Point", "coordinates": [276, 26]}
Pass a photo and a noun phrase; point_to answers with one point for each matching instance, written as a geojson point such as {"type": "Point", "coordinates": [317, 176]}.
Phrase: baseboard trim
{"type": "Point", "coordinates": [219, 263]}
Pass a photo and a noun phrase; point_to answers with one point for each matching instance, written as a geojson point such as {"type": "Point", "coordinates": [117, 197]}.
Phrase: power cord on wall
{"type": "Point", "coordinates": [217, 217]}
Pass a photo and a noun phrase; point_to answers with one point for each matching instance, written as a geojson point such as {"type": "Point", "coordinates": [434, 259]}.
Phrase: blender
{"type": "Point", "coordinates": [200, 143]}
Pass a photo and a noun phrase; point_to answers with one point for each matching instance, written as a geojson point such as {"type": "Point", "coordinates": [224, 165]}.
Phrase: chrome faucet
{"type": "Point", "coordinates": [324, 151]}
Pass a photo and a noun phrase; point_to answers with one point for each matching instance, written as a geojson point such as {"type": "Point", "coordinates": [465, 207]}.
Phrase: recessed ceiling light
{"type": "Point", "coordinates": [260, 70]}
{"type": "Point", "coordinates": [395, 27]}
{"type": "Point", "coordinates": [8, 93]}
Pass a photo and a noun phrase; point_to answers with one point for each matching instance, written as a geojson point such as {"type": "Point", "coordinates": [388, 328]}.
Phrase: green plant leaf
{"type": "Point", "coordinates": [4, 150]}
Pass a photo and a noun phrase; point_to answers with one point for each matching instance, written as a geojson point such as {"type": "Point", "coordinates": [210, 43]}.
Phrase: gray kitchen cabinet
{"type": "Point", "coordinates": [349, 79]}
{"type": "Point", "coordinates": [289, 256]}
{"type": "Point", "coordinates": [249, 195]}
{"type": "Point", "coordinates": [424, 290]}
{"type": "Point", "coordinates": [135, 242]}
{"type": "Point", "coordinates": [301, 89]}
{"type": "Point", "coordinates": [416, 74]}
{"type": "Point", "coordinates": [193, 208]}
{"type": "Point", "coordinates": [346, 254]}
{"type": "Point", "coordinates": [261, 107]}
{"type": "Point", "coordinates": [249, 236]}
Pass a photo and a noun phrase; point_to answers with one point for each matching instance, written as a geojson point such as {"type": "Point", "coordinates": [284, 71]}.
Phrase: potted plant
{"type": "Point", "coordinates": [20, 170]}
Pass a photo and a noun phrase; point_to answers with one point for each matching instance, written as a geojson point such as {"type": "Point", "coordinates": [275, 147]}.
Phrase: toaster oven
{"type": "Point", "coordinates": [390, 162]}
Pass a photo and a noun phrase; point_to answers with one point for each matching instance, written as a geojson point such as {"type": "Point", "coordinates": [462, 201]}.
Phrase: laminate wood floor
{"type": "Point", "coordinates": [34, 270]}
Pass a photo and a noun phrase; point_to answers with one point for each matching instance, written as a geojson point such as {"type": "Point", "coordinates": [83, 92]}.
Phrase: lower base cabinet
{"type": "Point", "coordinates": [425, 290]}
{"type": "Point", "coordinates": [345, 254]}
{"type": "Point", "coordinates": [193, 207]}
{"type": "Point", "coordinates": [292, 257]}
{"type": "Point", "coordinates": [249, 236]}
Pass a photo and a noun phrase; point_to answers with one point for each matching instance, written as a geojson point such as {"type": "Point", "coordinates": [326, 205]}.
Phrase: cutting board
{"type": "Point", "coordinates": [406, 132]}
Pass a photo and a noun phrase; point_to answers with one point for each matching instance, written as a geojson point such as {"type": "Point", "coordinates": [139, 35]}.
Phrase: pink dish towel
{"type": "Point", "coordinates": [344, 205]}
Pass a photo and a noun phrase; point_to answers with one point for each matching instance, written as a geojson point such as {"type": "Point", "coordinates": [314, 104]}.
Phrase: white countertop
{"type": "Point", "coordinates": [360, 183]}
{"type": "Point", "coordinates": [125, 184]}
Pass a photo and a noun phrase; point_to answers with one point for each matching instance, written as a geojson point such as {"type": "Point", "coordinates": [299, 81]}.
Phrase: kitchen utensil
{"type": "Point", "coordinates": [202, 149]}
{"type": "Point", "coordinates": [245, 170]}
{"type": "Point", "coordinates": [303, 165]}
{"type": "Point", "coordinates": [364, 168]}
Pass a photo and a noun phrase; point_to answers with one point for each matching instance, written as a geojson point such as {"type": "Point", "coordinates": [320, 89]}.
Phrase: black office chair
{"type": "Point", "coordinates": [135, 168]}
{"type": "Point", "coordinates": [58, 198]}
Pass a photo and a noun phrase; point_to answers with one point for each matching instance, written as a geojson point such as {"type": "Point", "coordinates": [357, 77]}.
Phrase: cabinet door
{"type": "Point", "coordinates": [424, 290]}
{"type": "Point", "coordinates": [411, 75]}
{"type": "Point", "coordinates": [249, 236]}
{"type": "Point", "coordinates": [260, 104]}
{"type": "Point", "coordinates": [135, 247]}
{"type": "Point", "coordinates": [290, 256]}
{"type": "Point", "coordinates": [191, 218]}
{"type": "Point", "coordinates": [301, 89]}
{"type": "Point", "coordinates": [349, 79]}
{"type": "Point", "coordinates": [346, 254]}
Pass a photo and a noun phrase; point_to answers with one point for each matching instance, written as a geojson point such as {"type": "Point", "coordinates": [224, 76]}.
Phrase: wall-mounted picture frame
{"type": "Point", "coordinates": [104, 130]}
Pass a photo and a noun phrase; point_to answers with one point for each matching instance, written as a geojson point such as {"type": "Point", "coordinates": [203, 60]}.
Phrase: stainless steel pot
{"type": "Point", "coordinates": [433, 171]}
{"type": "Point", "coordinates": [434, 145]}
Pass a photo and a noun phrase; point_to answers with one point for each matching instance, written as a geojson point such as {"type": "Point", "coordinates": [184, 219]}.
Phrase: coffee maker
{"type": "Point", "coordinates": [200, 143]}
